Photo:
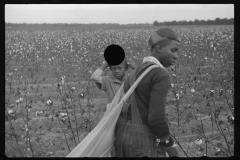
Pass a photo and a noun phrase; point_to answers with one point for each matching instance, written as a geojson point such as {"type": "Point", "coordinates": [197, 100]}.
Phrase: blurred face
{"type": "Point", "coordinates": [118, 71]}
{"type": "Point", "coordinates": [168, 54]}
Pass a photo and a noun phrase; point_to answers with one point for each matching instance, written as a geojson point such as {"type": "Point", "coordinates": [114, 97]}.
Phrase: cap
{"type": "Point", "coordinates": [114, 54]}
{"type": "Point", "coordinates": [162, 34]}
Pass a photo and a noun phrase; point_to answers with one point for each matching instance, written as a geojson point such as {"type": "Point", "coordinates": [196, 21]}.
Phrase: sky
{"type": "Point", "coordinates": [114, 13]}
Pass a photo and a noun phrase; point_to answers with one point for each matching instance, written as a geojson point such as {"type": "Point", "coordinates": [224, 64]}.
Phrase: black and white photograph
{"type": "Point", "coordinates": [119, 80]}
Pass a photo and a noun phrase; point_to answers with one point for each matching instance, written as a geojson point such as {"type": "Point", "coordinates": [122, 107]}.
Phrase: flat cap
{"type": "Point", "coordinates": [161, 34]}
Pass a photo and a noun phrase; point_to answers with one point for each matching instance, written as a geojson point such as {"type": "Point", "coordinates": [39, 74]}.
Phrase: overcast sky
{"type": "Point", "coordinates": [114, 13]}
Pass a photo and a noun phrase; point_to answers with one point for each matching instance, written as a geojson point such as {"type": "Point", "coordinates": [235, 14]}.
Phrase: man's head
{"type": "Point", "coordinates": [118, 71]}
{"type": "Point", "coordinates": [164, 46]}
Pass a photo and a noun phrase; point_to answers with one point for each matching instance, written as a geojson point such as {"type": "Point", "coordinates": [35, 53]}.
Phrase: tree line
{"type": "Point", "coordinates": [54, 26]}
{"type": "Point", "coordinates": [217, 21]}
{"type": "Point", "coordinates": [60, 26]}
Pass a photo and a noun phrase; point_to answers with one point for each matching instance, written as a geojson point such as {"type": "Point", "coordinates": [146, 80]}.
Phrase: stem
{"type": "Point", "coordinates": [75, 119]}
{"type": "Point", "coordinates": [204, 133]}
{"type": "Point", "coordinates": [209, 141]}
{"type": "Point", "coordinates": [179, 144]}
{"type": "Point", "coordinates": [178, 112]}
{"type": "Point", "coordinates": [16, 139]}
{"type": "Point", "coordinates": [29, 140]}
{"type": "Point", "coordinates": [68, 120]}
{"type": "Point", "coordinates": [221, 131]}
{"type": "Point", "coordinates": [225, 95]}
{"type": "Point", "coordinates": [89, 107]}
{"type": "Point", "coordinates": [80, 106]}
{"type": "Point", "coordinates": [206, 149]}
{"type": "Point", "coordinates": [64, 135]}
{"type": "Point", "coordinates": [207, 100]}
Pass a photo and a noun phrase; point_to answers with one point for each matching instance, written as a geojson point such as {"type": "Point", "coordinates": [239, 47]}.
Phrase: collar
{"type": "Point", "coordinates": [117, 80]}
{"type": "Point", "coordinates": [154, 60]}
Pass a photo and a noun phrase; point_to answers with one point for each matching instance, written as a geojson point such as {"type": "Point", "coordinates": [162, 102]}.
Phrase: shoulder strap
{"type": "Point", "coordinates": [144, 66]}
{"type": "Point", "coordinates": [133, 85]}
{"type": "Point", "coordinates": [129, 92]}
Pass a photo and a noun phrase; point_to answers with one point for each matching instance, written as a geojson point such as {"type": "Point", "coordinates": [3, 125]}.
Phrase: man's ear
{"type": "Point", "coordinates": [126, 66]}
{"type": "Point", "coordinates": [159, 47]}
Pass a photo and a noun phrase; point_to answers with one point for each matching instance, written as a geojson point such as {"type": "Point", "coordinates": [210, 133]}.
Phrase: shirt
{"type": "Point", "coordinates": [110, 86]}
{"type": "Point", "coordinates": [150, 95]}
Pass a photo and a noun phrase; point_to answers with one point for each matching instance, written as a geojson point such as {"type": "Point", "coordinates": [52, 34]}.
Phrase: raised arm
{"type": "Point", "coordinates": [97, 75]}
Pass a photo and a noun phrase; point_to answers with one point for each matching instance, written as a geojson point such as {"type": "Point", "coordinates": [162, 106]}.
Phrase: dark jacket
{"type": "Point", "coordinates": [150, 96]}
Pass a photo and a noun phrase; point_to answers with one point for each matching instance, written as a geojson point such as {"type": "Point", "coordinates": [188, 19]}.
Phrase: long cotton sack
{"type": "Point", "coordinates": [99, 142]}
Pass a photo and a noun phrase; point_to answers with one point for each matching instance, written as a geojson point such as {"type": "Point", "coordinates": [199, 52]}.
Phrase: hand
{"type": "Point", "coordinates": [172, 152]}
{"type": "Point", "coordinates": [104, 65]}
{"type": "Point", "coordinates": [130, 63]}
{"type": "Point", "coordinates": [169, 146]}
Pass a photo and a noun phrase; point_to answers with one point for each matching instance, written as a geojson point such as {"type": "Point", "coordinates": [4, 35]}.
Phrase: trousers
{"type": "Point", "coordinates": [133, 140]}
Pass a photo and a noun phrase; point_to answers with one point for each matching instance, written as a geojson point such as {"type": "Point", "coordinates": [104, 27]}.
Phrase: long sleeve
{"type": "Point", "coordinates": [156, 114]}
{"type": "Point", "coordinates": [97, 76]}
{"type": "Point", "coordinates": [99, 79]}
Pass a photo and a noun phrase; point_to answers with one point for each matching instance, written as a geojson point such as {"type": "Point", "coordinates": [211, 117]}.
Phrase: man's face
{"type": "Point", "coordinates": [118, 71]}
{"type": "Point", "coordinates": [168, 55]}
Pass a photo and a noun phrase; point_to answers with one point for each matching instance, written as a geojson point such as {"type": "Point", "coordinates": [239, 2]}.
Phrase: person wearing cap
{"type": "Point", "coordinates": [144, 132]}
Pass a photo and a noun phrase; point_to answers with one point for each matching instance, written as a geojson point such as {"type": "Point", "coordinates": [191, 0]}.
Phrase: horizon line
{"type": "Point", "coordinates": [116, 23]}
